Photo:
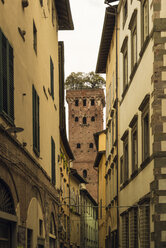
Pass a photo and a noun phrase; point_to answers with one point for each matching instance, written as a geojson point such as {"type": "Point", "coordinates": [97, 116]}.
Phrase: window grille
{"type": "Point", "coordinates": [125, 231]}
{"type": "Point", "coordinates": [134, 228]}
{"type": "Point", "coordinates": [144, 226]}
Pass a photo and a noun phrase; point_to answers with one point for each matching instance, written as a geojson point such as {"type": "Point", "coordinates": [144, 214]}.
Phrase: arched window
{"type": "Point", "coordinates": [92, 102]}
{"type": "Point", "coordinates": [92, 118]}
{"type": "Point", "coordinates": [76, 119]}
{"type": "Point", "coordinates": [52, 232]}
{"type": "Point", "coordinates": [6, 199]}
{"type": "Point", "coordinates": [91, 145]}
{"type": "Point", "coordinates": [84, 102]}
{"type": "Point", "coordinates": [78, 145]}
{"type": "Point", "coordinates": [84, 120]}
{"type": "Point", "coordinates": [85, 173]}
{"type": "Point", "coordinates": [76, 102]}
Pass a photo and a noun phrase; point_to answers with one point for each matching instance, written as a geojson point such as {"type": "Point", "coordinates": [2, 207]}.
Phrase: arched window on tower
{"type": "Point", "coordinates": [76, 119]}
{"type": "Point", "coordinates": [84, 120]}
{"type": "Point", "coordinates": [92, 102]}
{"type": "Point", "coordinates": [84, 102]}
{"type": "Point", "coordinates": [91, 145]}
{"type": "Point", "coordinates": [85, 173]}
{"type": "Point", "coordinates": [92, 118]}
{"type": "Point", "coordinates": [76, 102]}
{"type": "Point", "coordinates": [78, 145]}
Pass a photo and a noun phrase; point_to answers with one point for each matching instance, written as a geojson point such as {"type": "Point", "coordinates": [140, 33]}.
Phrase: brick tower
{"type": "Point", "coordinates": [85, 119]}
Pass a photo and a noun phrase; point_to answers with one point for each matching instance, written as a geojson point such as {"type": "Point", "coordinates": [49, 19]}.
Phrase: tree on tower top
{"type": "Point", "coordinates": [82, 80]}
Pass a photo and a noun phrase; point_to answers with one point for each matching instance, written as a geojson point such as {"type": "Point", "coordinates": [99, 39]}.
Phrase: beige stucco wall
{"type": "Point", "coordinates": [31, 69]}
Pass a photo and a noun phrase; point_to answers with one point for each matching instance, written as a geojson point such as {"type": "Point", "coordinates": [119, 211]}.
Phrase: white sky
{"type": "Point", "coordinates": [82, 44]}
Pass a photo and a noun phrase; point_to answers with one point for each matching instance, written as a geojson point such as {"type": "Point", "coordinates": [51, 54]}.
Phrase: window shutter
{"type": "Point", "coordinates": [4, 73]}
{"type": "Point", "coordinates": [52, 77]}
{"type": "Point", "coordinates": [1, 85]}
{"type": "Point", "coordinates": [36, 128]}
{"type": "Point", "coordinates": [11, 83]}
{"type": "Point", "coordinates": [53, 161]}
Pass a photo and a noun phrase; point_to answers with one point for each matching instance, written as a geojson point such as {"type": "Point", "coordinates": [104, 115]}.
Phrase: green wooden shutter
{"type": "Point", "coordinates": [36, 128]}
{"type": "Point", "coordinates": [11, 83]}
{"type": "Point", "coordinates": [52, 78]}
{"type": "Point", "coordinates": [53, 176]}
{"type": "Point", "coordinates": [4, 74]}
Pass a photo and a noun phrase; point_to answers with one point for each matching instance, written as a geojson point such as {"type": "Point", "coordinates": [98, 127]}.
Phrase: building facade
{"type": "Point", "coordinates": [141, 123]}
{"type": "Point", "coordinates": [108, 63]}
{"type": "Point", "coordinates": [29, 121]}
{"type": "Point", "coordinates": [99, 164]}
{"type": "Point", "coordinates": [85, 118]}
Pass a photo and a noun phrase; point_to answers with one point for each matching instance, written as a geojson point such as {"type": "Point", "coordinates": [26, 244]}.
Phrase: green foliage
{"type": "Point", "coordinates": [81, 80]}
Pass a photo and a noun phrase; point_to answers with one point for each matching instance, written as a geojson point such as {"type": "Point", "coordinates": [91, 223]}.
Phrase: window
{"type": "Point", "coordinates": [53, 14]}
{"type": "Point", "coordinates": [34, 38]}
{"type": "Point", "coordinates": [29, 238]}
{"type": "Point", "coordinates": [76, 119]}
{"type": "Point", "coordinates": [133, 44]}
{"type": "Point", "coordinates": [125, 155]}
{"type": "Point", "coordinates": [84, 120]}
{"type": "Point", "coordinates": [134, 143]}
{"type": "Point", "coordinates": [113, 131]}
{"type": "Point", "coordinates": [85, 173]}
{"type": "Point", "coordinates": [133, 215]}
{"type": "Point", "coordinates": [84, 102]}
{"type": "Point", "coordinates": [78, 145]}
{"type": "Point", "coordinates": [41, 3]}
{"type": "Point", "coordinates": [51, 78]}
{"type": "Point", "coordinates": [121, 170]}
{"type": "Point", "coordinates": [145, 20]}
{"type": "Point", "coordinates": [53, 172]}
{"type": "Point", "coordinates": [76, 102]}
{"type": "Point", "coordinates": [125, 230]}
{"type": "Point", "coordinates": [36, 128]}
{"type": "Point", "coordinates": [92, 102]}
{"type": "Point", "coordinates": [6, 78]}
{"type": "Point", "coordinates": [92, 118]}
{"type": "Point", "coordinates": [145, 135]}
{"type": "Point", "coordinates": [91, 145]}
{"type": "Point", "coordinates": [144, 219]}
{"type": "Point", "coordinates": [52, 233]}
{"type": "Point", "coordinates": [124, 50]}
{"type": "Point", "coordinates": [125, 10]}
{"type": "Point", "coordinates": [40, 228]}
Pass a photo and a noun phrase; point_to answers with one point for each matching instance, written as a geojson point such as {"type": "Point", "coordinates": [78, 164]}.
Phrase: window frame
{"type": "Point", "coordinates": [7, 74]}
{"type": "Point", "coordinates": [143, 37]}
{"type": "Point", "coordinates": [134, 43]}
{"type": "Point", "coordinates": [125, 9]}
{"type": "Point", "coordinates": [51, 78]}
{"type": "Point", "coordinates": [134, 152]}
{"type": "Point", "coordinates": [145, 134]}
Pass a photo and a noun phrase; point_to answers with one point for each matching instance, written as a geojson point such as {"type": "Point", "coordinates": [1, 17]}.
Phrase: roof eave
{"type": "Point", "coordinates": [65, 21]}
{"type": "Point", "coordinates": [107, 33]}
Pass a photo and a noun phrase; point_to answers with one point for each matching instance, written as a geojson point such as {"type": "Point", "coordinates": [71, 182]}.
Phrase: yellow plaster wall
{"type": "Point", "coordinates": [31, 69]}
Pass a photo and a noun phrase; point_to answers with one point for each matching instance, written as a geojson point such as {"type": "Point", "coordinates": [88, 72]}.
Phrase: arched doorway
{"type": "Point", "coordinates": [7, 217]}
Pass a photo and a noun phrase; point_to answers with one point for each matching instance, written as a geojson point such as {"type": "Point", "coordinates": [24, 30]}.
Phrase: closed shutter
{"type": "Point", "coordinates": [53, 161]}
{"type": "Point", "coordinates": [4, 74]}
{"type": "Point", "coordinates": [11, 83]}
{"type": "Point", "coordinates": [6, 78]}
{"type": "Point", "coordinates": [36, 130]}
{"type": "Point", "coordinates": [52, 78]}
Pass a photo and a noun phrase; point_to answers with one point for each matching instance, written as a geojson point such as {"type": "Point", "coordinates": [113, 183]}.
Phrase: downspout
{"type": "Point", "coordinates": [117, 126]}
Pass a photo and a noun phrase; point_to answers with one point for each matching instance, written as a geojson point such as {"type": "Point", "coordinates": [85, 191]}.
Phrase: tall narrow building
{"type": "Point", "coordinates": [85, 119]}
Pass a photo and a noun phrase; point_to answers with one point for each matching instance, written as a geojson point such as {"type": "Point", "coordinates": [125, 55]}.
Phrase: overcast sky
{"type": "Point", "coordinates": [82, 44]}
